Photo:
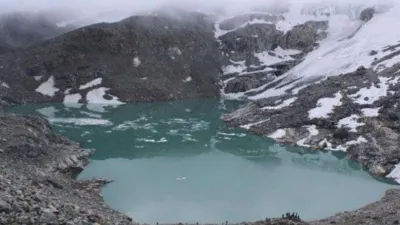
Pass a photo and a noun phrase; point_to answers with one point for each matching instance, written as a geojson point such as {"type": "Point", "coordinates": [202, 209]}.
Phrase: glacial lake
{"type": "Point", "coordinates": [176, 161]}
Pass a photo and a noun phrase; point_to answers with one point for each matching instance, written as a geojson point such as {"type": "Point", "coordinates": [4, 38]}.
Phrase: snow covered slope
{"type": "Point", "coordinates": [349, 44]}
{"type": "Point", "coordinates": [302, 99]}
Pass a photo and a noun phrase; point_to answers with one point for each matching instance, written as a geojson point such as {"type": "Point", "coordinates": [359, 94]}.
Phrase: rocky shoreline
{"type": "Point", "coordinates": [36, 177]}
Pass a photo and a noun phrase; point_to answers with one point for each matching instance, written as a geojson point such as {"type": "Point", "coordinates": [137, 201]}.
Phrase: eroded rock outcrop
{"type": "Point", "coordinates": [255, 44]}
{"type": "Point", "coordinates": [367, 14]}
{"type": "Point", "coordinates": [253, 38]}
{"type": "Point", "coordinates": [305, 36]}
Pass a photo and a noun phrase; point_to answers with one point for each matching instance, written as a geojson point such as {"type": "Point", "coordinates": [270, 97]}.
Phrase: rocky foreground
{"type": "Point", "coordinates": [36, 178]}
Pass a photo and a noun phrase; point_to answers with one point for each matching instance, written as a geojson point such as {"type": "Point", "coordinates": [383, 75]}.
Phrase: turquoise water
{"type": "Point", "coordinates": [175, 161]}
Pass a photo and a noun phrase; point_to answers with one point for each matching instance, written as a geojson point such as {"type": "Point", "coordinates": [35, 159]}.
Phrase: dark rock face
{"type": "Point", "coordinates": [20, 30]}
{"type": "Point", "coordinates": [304, 36]}
{"type": "Point", "coordinates": [142, 58]}
{"type": "Point", "coordinates": [367, 14]}
{"type": "Point", "coordinates": [246, 82]}
{"type": "Point", "coordinates": [253, 38]}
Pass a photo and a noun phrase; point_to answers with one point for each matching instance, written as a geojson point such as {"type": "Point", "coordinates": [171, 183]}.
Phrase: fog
{"type": "Point", "coordinates": [117, 9]}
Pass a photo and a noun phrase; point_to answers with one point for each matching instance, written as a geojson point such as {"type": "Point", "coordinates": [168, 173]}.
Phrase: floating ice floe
{"type": "Point", "coordinates": [81, 121]}
{"type": "Point", "coordinates": [48, 111]}
{"type": "Point", "coordinates": [161, 140]}
{"type": "Point", "coordinates": [90, 114]}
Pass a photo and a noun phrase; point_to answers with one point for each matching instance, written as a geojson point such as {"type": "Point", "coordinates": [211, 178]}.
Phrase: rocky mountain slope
{"type": "Point", "coordinates": [141, 58]}
{"type": "Point", "coordinates": [320, 83]}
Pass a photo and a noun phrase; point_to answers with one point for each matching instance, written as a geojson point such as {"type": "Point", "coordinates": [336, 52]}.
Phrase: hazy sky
{"type": "Point", "coordinates": [96, 6]}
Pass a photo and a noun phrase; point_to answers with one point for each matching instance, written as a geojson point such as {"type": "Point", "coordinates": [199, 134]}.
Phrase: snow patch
{"type": "Point", "coordinates": [349, 143]}
{"type": "Point", "coordinates": [37, 78]}
{"type": "Point", "coordinates": [96, 96]}
{"type": "Point", "coordinates": [395, 174]}
{"type": "Point", "coordinates": [81, 121]}
{"type": "Point", "coordinates": [90, 114]}
{"type": "Point", "coordinates": [350, 122]}
{"type": "Point", "coordinates": [284, 104]}
{"type": "Point", "coordinates": [48, 88]}
{"type": "Point", "coordinates": [92, 83]}
{"type": "Point", "coordinates": [136, 61]}
{"type": "Point", "coordinates": [326, 144]}
{"type": "Point", "coordinates": [4, 84]}
{"type": "Point", "coordinates": [237, 67]}
{"type": "Point", "coordinates": [280, 133]}
{"type": "Point", "coordinates": [72, 98]}
{"type": "Point", "coordinates": [188, 79]}
{"type": "Point", "coordinates": [371, 94]}
{"type": "Point", "coordinates": [278, 55]}
{"type": "Point", "coordinates": [67, 91]}
{"type": "Point", "coordinates": [370, 112]}
{"type": "Point", "coordinates": [358, 141]}
{"type": "Point", "coordinates": [325, 106]}
{"type": "Point", "coordinates": [387, 63]}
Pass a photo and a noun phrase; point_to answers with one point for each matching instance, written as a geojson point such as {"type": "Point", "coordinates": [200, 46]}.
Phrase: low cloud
{"type": "Point", "coordinates": [111, 10]}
